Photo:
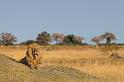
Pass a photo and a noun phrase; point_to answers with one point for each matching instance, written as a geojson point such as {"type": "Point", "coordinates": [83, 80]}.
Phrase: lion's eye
{"type": "Point", "coordinates": [33, 49]}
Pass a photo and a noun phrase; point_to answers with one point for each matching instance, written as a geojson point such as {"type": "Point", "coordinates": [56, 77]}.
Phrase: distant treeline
{"type": "Point", "coordinates": [45, 38]}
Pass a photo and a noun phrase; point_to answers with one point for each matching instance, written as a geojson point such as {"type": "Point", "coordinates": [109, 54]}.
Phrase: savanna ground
{"type": "Point", "coordinates": [64, 64]}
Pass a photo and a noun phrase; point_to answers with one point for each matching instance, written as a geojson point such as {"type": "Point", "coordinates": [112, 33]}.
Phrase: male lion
{"type": "Point", "coordinates": [33, 56]}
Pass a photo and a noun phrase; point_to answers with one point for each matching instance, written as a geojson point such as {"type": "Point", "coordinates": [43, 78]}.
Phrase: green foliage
{"type": "Point", "coordinates": [27, 42]}
{"type": "Point", "coordinates": [73, 40]}
{"type": "Point", "coordinates": [68, 39]}
{"type": "Point", "coordinates": [43, 38]}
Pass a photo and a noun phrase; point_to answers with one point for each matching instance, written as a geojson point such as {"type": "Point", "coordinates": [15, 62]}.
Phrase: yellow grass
{"type": "Point", "coordinates": [87, 59]}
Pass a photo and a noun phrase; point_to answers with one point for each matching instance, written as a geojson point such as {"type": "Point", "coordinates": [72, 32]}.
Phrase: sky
{"type": "Point", "coordinates": [86, 18]}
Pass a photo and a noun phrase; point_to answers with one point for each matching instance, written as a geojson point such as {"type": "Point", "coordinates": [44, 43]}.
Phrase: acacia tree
{"type": "Point", "coordinates": [57, 37]}
{"type": "Point", "coordinates": [43, 38]}
{"type": "Point", "coordinates": [7, 38]}
{"type": "Point", "coordinates": [97, 40]}
{"type": "Point", "coordinates": [109, 37]}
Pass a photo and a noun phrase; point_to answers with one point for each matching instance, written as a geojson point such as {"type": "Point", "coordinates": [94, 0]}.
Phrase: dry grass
{"type": "Point", "coordinates": [12, 71]}
{"type": "Point", "coordinates": [91, 60]}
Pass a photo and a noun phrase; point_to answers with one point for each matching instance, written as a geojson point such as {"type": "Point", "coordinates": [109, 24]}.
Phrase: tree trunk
{"type": "Point", "coordinates": [108, 40]}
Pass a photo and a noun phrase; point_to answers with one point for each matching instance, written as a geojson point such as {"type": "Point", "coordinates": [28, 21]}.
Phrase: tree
{"type": "Point", "coordinates": [97, 39]}
{"type": "Point", "coordinates": [43, 38]}
{"type": "Point", "coordinates": [68, 39]}
{"type": "Point", "coordinates": [73, 40]}
{"type": "Point", "coordinates": [57, 37]}
{"type": "Point", "coordinates": [109, 37]}
{"type": "Point", "coordinates": [78, 40]}
{"type": "Point", "coordinates": [7, 38]}
{"type": "Point", "coordinates": [27, 42]}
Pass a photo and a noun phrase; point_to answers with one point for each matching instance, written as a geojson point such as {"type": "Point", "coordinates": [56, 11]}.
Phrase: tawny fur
{"type": "Point", "coordinates": [33, 56]}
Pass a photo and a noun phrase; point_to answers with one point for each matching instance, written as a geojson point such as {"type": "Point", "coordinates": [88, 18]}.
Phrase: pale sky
{"type": "Point", "coordinates": [87, 18]}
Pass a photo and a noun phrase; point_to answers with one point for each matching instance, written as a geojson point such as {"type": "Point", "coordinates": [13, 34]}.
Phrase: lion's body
{"type": "Point", "coordinates": [33, 56]}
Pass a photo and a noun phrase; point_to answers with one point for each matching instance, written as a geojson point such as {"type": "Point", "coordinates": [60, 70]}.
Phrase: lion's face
{"type": "Point", "coordinates": [35, 53]}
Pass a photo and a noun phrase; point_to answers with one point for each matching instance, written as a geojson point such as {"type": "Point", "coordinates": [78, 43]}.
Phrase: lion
{"type": "Point", "coordinates": [33, 56]}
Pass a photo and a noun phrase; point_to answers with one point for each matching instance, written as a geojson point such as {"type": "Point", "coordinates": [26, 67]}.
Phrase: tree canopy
{"type": "Point", "coordinates": [43, 38]}
{"type": "Point", "coordinates": [7, 38]}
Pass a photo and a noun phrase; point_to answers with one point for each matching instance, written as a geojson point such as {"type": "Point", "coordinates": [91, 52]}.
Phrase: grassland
{"type": "Point", "coordinates": [88, 61]}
